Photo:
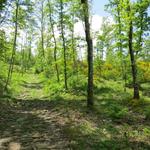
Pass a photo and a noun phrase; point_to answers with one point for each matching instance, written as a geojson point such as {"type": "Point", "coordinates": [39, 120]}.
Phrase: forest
{"type": "Point", "coordinates": [66, 85]}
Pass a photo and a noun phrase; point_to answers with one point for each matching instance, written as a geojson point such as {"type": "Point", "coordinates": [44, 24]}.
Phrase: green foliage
{"type": "Point", "coordinates": [3, 75]}
{"type": "Point", "coordinates": [147, 113]}
{"type": "Point", "coordinates": [113, 123]}
{"type": "Point", "coordinates": [2, 4]}
{"type": "Point", "coordinates": [38, 101]}
{"type": "Point", "coordinates": [53, 88]}
{"type": "Point", "coordinates": [144, 71]}
{"type": "Point", "coordinates": [116, 111]}
{"type": "Point", "coordinates": [146, 131]}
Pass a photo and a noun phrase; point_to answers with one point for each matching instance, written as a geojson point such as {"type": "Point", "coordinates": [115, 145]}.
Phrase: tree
{"type": "Point", "coordinates": [141, 23]}
{"type": "Point", "coordinates": [131, 51]}
{"type": "Point", "coordinates": [3, 13]}
{"type": "Point", "coordinates": [42, 27]}
{"type": "Point", "coordinates": [54, 38]}
{"type": "Point", "coordinates": [105, 46]}
{"type": "Point", "coordinates": [90, 101]}
{"type": "Point", "coordinates": [64, 43]}
{"type": "Point", "coordinates": [14, 46]}
{"type": "Point", "coordinates": [131, 21]}
{"type": "Point", "coordinates": [115, 7]}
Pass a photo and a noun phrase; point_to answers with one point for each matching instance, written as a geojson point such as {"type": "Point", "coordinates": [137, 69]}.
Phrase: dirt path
{"type": "Point", "coordinates": [30, 122]}
{"type": "Point", "coordinates": [33, 121]}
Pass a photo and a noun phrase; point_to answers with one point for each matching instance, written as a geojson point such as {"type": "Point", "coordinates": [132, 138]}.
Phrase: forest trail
{"type": "Point", "coordinates": [31, 88]}
{"type": "Point", "coordinates": [29, 122]}
{"type": "Point", "coordinates": [34, 120]}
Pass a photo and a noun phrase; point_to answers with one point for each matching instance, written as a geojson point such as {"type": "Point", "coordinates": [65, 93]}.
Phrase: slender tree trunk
{"type": "Point", "coordinates": [74, 58]}
{"type": "Point", "coordinates": [64, 44]}
{"type": "Point", "coordinates": [10, 70]}
{"type": "Point", "coordinates": [90, 101]}
{"type": "Point", "coordinates": [42, 29]}
{"type": "Point", "coordinates": [22, 60]}
{"type": "Point", "coordinates": [55, 43]}
{"type": "Point", "coordinates": [102, 55]}
{"type": "Point", "coordinates": [73, 44]}
{"type": "Point", "coordinates": [121, 49]}
{"type": "Point", "coordinates": [73, 49]}
{"type": "Point", "coordinates": [30, 52]}
{"type": "Point", "coordinates": [140, 34]}
{"type": "Point", "coordinates": [132, 58]}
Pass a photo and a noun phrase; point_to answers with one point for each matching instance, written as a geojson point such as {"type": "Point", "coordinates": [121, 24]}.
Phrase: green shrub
{"type": "Point", "coordinates": [117, 112]}
{"type": "Point", "coordinates": [147, 113]}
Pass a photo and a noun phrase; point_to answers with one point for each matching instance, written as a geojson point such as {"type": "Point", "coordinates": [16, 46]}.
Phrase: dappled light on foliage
{"type": "Point", "coordinates": [74, 80]}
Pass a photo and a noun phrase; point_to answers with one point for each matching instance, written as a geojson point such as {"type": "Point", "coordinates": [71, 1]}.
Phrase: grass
{"type": "Point", "coordinates": [116, 121]}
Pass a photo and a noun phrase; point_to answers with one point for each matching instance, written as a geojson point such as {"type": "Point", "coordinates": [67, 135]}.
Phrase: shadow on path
{"type": "Point", "coordinates": [58, 124]}
{"type": "Point", "coordinates": [22, 123]}
{"type": "Point", "coordinates": [43, 124]}
{"type": "Point", "coordinates": [31, 85]}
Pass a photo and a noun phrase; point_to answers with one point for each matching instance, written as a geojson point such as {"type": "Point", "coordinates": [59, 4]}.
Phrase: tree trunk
{"type": "Point", "coordinates": [55, 43]}
{"type": "Point", "coordinates": [73, 48]}
{"type": "Point", "coordinates": [140, 34]}
{"type": "Point", "coordinates": [132, 58]}
{"type": "Point", "coordinates": [120, 47]}
{"type": "Point", "coordinates": [14, 48]}
{"type": "Point", "coordinates": [22, 58]}
{"type": "Point", "coordinates": [90, 101]}
{"type": "Point", "coordinates": [30, 48]}
{"type": "Point", "coordinates": [64, 44]}
{"type": "Point", "coordinates": [42, 29]}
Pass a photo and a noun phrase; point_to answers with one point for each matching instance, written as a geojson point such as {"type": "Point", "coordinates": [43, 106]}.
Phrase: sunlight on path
{"type": "Point", "coordinates": [31, 88]}
{"type": "Point", "coordinates": [30, 122]}
{"type": "Point", "coordinates": [34, 121]}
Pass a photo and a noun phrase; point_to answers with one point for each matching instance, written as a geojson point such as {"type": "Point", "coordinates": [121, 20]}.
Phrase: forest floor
{"type": "Point", "coordinates": [32, 120]}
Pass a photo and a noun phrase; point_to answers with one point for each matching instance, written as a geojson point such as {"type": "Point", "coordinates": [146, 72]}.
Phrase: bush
{"type": "Point", "coordinates": [117, 112]}
{"type": "Point", "coordinates": [147, 114]}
